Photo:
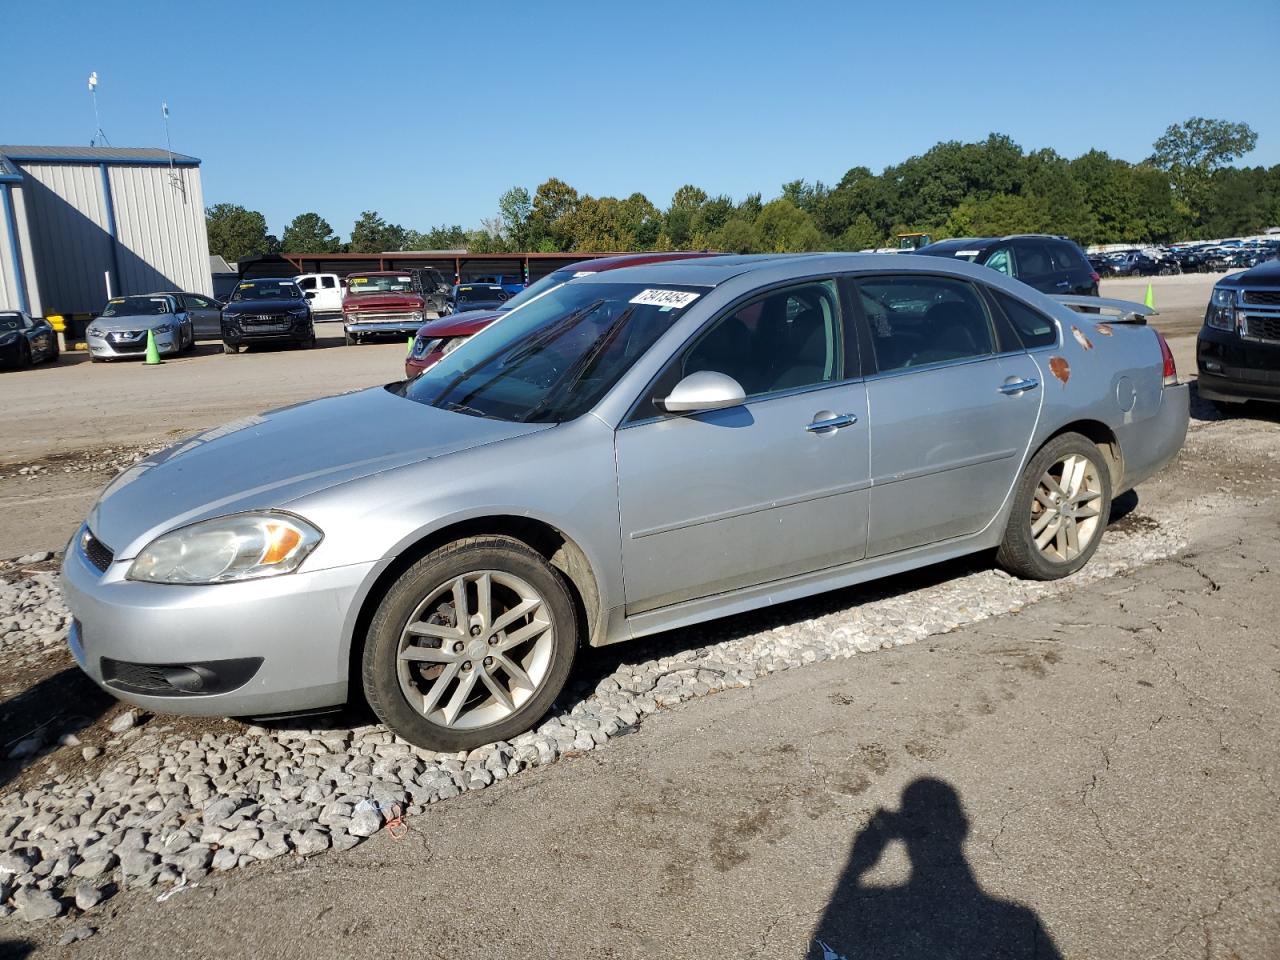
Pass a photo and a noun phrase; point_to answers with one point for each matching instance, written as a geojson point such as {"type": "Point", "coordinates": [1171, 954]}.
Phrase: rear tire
{"type": "Point", "coordinates": [230, 348]}
{"type": "Point", "coordinates": [493, 683]}
{"type": "Point", "coordinates": [1060, 508]}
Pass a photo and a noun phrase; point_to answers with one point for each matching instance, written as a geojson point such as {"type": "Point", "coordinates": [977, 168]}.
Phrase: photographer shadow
{"type": "Point", "coordinates": [940, 911]}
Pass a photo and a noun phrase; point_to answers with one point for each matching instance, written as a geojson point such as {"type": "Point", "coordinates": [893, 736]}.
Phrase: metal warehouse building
{"type": "Point", "coordinates": [79, 224]}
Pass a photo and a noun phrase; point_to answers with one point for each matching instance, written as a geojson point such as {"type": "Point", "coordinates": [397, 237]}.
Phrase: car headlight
{"type": "Point", "coordinates": [453, 345]}
{"type": "Point", "coordinates": [241, 547]}
{"type": "Point", "coordinates": [421, 346]}
{"type": "Point", "coordinates": [298, 313]}
{"type": "Point", "coordinates": [1221, 314]}
{"type": "Point", "coordinates": [8, 338]}
{"type": "Point", "coordinates": [93, 331]}
{"type": "Point", "coordinates": [164, 328]}
{"type": "Point", "coordinates": [416, 316]}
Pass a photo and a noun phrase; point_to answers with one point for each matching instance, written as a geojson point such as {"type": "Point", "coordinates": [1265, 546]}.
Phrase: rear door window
{"type": "Point", "coordinates": [1032, 326]}
{"type": "Point", "coordinates": [917, 321]}
{"type": "Point", "coordinates": [1068, 258]}
{"type": "Point", "coordinates": [1035, 266]}
{"type": "Point", "coordinates": [329, 283]}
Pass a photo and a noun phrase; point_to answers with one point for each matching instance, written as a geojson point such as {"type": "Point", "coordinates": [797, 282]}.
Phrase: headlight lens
{"type": "Point", "coordinates": [421, 346]}
{"type": "Point", "coordinates": [453, 345]}
{"type": "Point", "coordinates": [416, 316]}
{"type": "Point", "coordinates": [298, 313]}
{"type": "Point", "coordinates": [8, 338]}
{"type": "Point", "coordinates": [164, 328]}
{"type": "Point", "coordinates": [1221, 314]}
{"type": "Point", "coordinates": [93, 331]}
{"type": "Point", "coordinates": [241, 547]}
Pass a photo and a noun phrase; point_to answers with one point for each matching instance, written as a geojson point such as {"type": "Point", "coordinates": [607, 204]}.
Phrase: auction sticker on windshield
{"type": "Point", "coordinates": [665, 298]}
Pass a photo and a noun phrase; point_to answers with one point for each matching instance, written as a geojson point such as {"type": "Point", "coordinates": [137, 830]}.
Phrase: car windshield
{"type": "Point", "coordinates": [552, 360]}
{"type": "Point", "coordinates": [10, 322]}
{"type": "Point", "coordinates": [537, 289]}
{"type": "Point", "coordinates": [397, 283]}
{"type": "Point", "coordinates": [474, 294]}
{"type": "Point", "coordinates": [137, 307]}
{"type": "Point", "coordinates": [266, 290]}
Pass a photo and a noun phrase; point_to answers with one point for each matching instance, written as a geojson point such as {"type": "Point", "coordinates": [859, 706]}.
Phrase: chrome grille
{"type": "Point", "coordinates": [1268, 297]}
{"type": "Point", "coordinates": [1258, 327]}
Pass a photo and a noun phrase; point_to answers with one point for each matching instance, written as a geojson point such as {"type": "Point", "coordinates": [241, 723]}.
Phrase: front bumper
{"type": "Point", "coordinates": [403, 327]}
{"type": "Point", "coordinates": [1232, 368]}
{"type": "Point", "coordinates": [276, 645]}
{"type": "Point", "coordinates": [107, 348]}
{"type": "Point", "coordinates": [284, 329]}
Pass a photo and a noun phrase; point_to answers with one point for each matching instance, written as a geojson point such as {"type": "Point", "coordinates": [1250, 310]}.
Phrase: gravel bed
{"type": "Point", "coordinates": [108, 461]}
{"type": "Point", "coordinates": [163, 807]}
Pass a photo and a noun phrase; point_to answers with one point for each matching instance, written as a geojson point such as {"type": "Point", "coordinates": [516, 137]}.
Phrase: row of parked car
{"type": "Point", "coordinates": [1216, 257]}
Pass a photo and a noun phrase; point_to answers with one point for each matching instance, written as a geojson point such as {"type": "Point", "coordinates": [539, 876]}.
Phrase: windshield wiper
{"type": "Point", "coordinates": [581, 365]}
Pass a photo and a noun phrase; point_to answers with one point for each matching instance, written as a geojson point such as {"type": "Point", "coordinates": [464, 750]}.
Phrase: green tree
{"type": "Point", "coordinates": [372, 234]}
{"type": "Point", "coordinates": [554, 203]}
{"type": "Point", "coordinates": [738, 235]}
{"type": "Point", "coordinates": [443, 237]}
{"type": "Point", "coordinates": [784, 228]}
{"type": "Point", "coordinates": [1191, 151]}
{"type": "Point", "coordinates": [862, 234]}
{"type": "Point", "coordinates": [514, 208]}
{"type": "Point", "coordinates": [234, 232]}
{"type": "Point", "coordinates": [310, 233]}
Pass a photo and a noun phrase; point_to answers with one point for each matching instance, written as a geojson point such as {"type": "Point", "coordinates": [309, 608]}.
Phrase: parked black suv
{"type": "Point", "coordinates": [1238, 350]}
{"type": "Point", "coordinates": [266, 310]}
{"type": "Point", "coordinates": [1050, 264]}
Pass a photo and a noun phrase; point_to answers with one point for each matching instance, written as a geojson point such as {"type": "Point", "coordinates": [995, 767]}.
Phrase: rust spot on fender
{"type": "Point", "coordinates": [1104, 329]}
{"type": "Point", "coordinates": [1059, 367]}
{"type": "Point", "coordinates": [1081, 338]}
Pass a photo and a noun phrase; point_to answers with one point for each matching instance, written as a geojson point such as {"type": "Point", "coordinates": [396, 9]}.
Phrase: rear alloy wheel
{"type": "Point", "coordinates": [471, 644]}
{"type": "Point", "coordinates": [1060, 509]}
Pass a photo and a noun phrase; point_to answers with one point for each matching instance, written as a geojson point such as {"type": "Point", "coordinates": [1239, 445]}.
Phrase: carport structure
{"type": "Point", "coordinates": [458, 264]}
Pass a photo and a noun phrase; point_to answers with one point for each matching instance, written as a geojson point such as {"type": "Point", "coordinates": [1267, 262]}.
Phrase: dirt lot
{"type": "Point", "coordinates": [1094, 776]}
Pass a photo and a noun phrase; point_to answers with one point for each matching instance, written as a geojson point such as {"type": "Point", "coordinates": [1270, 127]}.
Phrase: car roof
{"type": "Point", "coordinates": [269, 280]}
{"type": "Point", "coordinates": [601, 264]}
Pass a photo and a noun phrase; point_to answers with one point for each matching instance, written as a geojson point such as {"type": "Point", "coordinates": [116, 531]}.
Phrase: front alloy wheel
{"type": "Point", "coordinates": [470, 645]}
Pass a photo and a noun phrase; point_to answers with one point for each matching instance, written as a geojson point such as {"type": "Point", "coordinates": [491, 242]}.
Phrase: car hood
{"type": "Point", "coordinates": [261, 306]}
{"type": "Point", "coordinates": [1266, 274]}
{"type": "Point", "coordinates": [267, 461]}
{"type": "Point", "coordinates": [144, 321]}
{"type": "Point", "coordinates": [363, 301]}
{"type": "Point", "coordinates": [460, 324]}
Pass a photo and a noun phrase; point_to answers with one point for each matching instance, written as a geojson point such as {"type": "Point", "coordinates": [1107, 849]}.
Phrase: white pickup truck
{"type": "Point", "coordinates": [324, 292]}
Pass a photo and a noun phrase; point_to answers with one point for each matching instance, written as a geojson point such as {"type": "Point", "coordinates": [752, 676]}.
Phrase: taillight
{"type": "Point", "coordinates": [1170, 372]}
{"type": "Point", "coordinates": [1093, 275]}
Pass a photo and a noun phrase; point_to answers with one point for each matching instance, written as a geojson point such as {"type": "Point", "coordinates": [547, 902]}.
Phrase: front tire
{"type": "Point", "coordinates": [471, 644]}
{"type": "Point", "coordinates": [1060, 509]}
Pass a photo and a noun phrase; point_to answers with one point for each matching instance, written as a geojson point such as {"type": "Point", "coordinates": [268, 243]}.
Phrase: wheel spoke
{"type": "Point", "coordinates": [1086, 513]}
{"type": "Point", "coordinates": [500, 693]}
{"type": "Point", "coordinates": [1042, 540]}
{"type": "Point", "coordinates": [428, 655]}
{"type": "Point", "coordinates": [520, 610]}
{"type": "Point", "coordinates": [527, 632]}
{"type": "Point", "coordinates": [1041, 522]}
{"type": "Point", "coordinates": [431, 699]}
{"type": "Point", "coordinates": [1085, 496]}
{"type": "Point", "coordinates": [1043, 498]}
{"type": "Point", "coordinates": [484, 599]}
{"type": "Point", "coordinates": [453, 708]}
{"type": "Point", "coordinates": [1051, 484]}
{"type": "Point", "coordinates": [514, 671]}
{"type": "Point", "coordinates": [437, 631]}
{"type": "Point", "coordinates": [461, 612]}
{"type": "Point", "coordinates": [1073, 539]}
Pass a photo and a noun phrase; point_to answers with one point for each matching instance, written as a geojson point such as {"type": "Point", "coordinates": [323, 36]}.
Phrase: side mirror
{"type": "Point", "coordinates": [310, 294]}
{"type": "Point", "coordinates": [704, 390]}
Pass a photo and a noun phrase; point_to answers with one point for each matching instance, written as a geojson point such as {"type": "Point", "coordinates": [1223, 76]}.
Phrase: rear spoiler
{"type": "Point", "coordinates": [1120, 311]}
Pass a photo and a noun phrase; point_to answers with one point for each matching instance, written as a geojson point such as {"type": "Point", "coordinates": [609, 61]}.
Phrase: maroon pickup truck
{"type": "Point", "coordinates": [381, 302]}
{"type": "Point", "coordinates": [443, 336]}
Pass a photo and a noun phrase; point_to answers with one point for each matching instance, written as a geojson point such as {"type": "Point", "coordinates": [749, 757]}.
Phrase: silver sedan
{"type": "Point", "coordinates": [632, 452]}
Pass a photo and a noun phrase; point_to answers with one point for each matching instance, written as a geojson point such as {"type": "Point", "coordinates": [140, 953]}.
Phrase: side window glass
{"type": "Point", "coordinates": [328, 283]}
{"type": "Point", "coordinates": [1033, 260]}
{"type": "Point", "coordinates": [1066, 257]}
{"type": "Point", "coordinates": [1034, 328]}
{"type": "Point", "coordinates": [307, 283]}
{"type": "Point", "coordinates": [915, 321]}
{"type": "Point", "coordinates": [786, 339]}
{"type": "Point", "coordinates": [1001, 260]}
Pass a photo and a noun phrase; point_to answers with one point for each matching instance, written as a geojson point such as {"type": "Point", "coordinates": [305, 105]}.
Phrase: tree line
{"type": "Point", "coordinates": [1186, 189]}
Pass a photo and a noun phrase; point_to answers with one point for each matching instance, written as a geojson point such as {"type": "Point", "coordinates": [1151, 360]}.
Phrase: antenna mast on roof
{"type": "Point", "coordinates": [98, 135]}
{"type": "Point", "coordinates": [174, 180]}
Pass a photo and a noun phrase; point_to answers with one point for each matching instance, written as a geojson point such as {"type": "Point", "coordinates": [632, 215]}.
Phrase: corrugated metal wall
{"type": "Point", "coordinates": [19, 195]}
{"type": "Point", "coordinates": [68, 234]}
{"type": "Point", "coordinates": [8, 281]}
{"type": "Point", "coordinates": [161, 229]}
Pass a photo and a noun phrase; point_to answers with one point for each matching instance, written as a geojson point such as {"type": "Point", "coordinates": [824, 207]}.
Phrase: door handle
{"type": "Point", "coordinates": [832, 423]}
{"type": "Point", "coordinates": [1019, 386]}
{"type": "Point", "coordinates": [1063, 283]}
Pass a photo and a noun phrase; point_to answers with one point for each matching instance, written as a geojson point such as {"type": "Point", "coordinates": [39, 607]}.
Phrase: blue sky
{"type": "Point", "coordinates": [427, 113]}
